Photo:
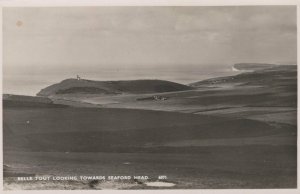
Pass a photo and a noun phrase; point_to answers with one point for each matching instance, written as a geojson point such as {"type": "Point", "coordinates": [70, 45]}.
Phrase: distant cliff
{"type": "Point", "coordinates": [252, 66]}
{"type": "Point", "coordinates": [256, 74]}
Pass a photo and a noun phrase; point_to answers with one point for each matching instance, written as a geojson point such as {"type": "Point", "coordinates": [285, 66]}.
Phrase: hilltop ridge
{"type": "Point", "coordinates": [83, 86]}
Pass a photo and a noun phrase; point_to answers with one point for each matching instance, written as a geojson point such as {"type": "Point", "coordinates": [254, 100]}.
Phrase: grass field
{"type": "Point", "coordinates": [84, 141]}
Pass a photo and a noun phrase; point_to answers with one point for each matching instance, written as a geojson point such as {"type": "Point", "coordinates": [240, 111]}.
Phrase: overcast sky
{"type": "Point", "coordinates": [50, 40]}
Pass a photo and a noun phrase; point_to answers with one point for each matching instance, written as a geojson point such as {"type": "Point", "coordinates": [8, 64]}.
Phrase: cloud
{"type": "Point", "coordinates": [147, 35]}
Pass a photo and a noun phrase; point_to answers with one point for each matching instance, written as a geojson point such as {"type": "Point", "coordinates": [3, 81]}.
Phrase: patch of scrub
{"type": "Point", "coordinates": [159, 184]}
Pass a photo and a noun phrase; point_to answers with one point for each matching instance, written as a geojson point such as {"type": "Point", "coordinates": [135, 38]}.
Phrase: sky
{"type": "Point", "coordinates": [54, 40]}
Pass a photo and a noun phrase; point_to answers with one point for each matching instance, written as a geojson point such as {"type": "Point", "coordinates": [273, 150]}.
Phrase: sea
{"type": "Point", "coordinates": [31, 83]}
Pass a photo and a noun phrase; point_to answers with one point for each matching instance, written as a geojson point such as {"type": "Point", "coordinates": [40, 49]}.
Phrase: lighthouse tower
{"type": "Point", "coordinates": [78, 77]}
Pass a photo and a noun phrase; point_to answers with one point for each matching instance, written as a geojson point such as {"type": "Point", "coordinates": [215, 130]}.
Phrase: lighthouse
{"type": "Point", "coordinates": [78, 77]}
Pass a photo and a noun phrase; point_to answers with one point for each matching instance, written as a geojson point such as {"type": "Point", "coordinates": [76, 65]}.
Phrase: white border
{"type": "Point", "coordinates": [63, 3]}
{"type": "Point", "coordinates": [27, 3]}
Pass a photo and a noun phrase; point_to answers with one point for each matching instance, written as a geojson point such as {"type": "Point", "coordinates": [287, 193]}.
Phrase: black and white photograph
{"type": "Point", "coordinates": [149, 97]}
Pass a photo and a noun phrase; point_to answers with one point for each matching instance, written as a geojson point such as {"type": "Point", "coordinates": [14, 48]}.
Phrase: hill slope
{"type": "Point", "coordinates": [21, 101]}
{"type": "Point", "coordinates": [74, 86]}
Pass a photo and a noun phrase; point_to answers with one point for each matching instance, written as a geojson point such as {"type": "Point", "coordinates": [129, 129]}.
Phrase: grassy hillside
{"type": "Point", "coordinates": [89, 129]}
{"type": "Point", "coordinates": [230, 132]}
{"type": "Point", "coordinates": [74, 86]}
{"type": "Point", "coordinates": [255, 94]}
{"type": "Point", "coordinates": [193, 151]}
